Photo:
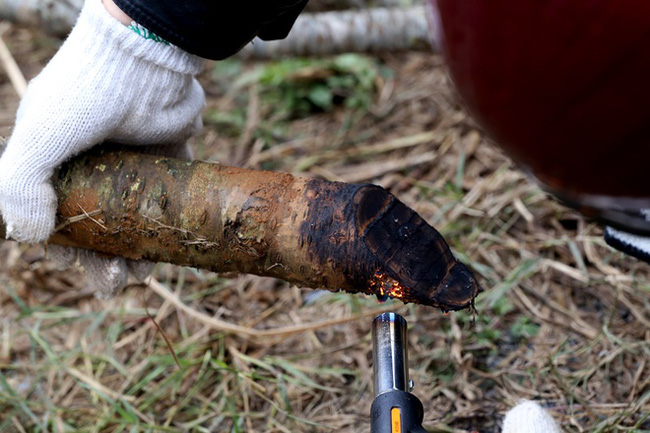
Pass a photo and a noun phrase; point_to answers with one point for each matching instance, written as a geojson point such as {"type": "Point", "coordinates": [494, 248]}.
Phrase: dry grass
{"type": "Point", "coordinates": [565, 319]}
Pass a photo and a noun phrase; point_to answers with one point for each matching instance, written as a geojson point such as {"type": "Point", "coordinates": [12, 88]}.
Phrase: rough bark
{"type": "Point", "coordinates": [369, 30]}
{"type": "Point", "coordinates": [312, 233]}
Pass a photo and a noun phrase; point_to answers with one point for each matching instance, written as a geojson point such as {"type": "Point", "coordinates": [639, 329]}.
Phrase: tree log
{"type": "Point", "coordinates": [368, 30]}
{"type": "Point", "coordinates": [309, 232]}
{"type": "Point", "coordinates": [330, 5]}
{"type": "Point", "coordinates": [371, 30]}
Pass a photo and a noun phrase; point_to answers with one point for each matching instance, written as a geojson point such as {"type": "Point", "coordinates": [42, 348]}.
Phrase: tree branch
{"type": "Point", "coordinates": [328, 5]}
{"type": "Point", "coordinates": [55, 17]}
{"type": "Point", "coordinates": [310, 232]}
{"type": "Point", "coordinates": [368, 30]}
{"type": "Point", "coordinates": [364, 31]}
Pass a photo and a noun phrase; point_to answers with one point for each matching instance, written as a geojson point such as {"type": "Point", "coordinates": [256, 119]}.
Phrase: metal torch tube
{"type": "Point", "coordinates": [390, 353]}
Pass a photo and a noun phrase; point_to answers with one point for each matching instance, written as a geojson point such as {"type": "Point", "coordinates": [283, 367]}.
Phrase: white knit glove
{"type": "Point", "coordinates": [106, 83]}
{"type": "Point", "coordinates": [529, 417]}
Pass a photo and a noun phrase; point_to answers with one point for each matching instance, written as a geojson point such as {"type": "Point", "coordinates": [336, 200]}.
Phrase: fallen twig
{"type": "Point", "coordinates": [251, 333]}
{"type": "Point", "coordinates": [10, 66]}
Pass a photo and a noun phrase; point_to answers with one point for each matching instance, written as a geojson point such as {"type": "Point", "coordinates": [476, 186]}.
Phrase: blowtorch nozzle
{"type": "Point", "coordinates": [389, 353]}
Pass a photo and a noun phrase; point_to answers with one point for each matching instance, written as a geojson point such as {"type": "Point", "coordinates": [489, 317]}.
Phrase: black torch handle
{"type": "Point", "coordinates": [394, 409]}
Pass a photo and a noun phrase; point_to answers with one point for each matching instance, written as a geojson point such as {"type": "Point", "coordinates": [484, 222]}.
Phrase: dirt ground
{"type": "Point", "coordinates": [564, 320]}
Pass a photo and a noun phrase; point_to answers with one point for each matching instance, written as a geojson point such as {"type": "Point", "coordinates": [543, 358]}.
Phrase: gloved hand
{"type": "Point", "coordinates": [106, 83]}
{"type": "Point", "coordinates": [529, 417]}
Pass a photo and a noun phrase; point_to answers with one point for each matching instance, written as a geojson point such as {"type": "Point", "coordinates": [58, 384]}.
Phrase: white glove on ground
{"type": "Point", "coordinates": [529, 417]}
{"type": "Point", "coordinates": [106, 83]}
{"type": "Point", "coordinates": [634, 245]}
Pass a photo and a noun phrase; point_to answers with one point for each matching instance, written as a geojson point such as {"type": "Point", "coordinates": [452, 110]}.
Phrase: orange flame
{"type": "Point", "coordinates": [385, 286]}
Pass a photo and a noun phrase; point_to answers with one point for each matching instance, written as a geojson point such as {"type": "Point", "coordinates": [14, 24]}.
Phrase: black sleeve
{"type": "Point", "coordinates": [214, 29]}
